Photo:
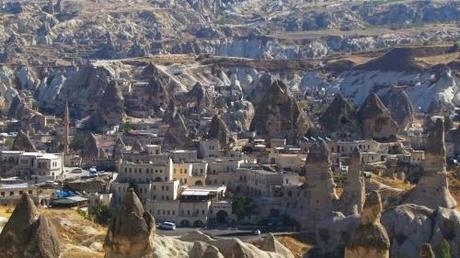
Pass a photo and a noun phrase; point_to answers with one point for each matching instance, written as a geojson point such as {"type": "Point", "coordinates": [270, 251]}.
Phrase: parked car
{"type": "Point", "coordinates": [167, 225]}
{"type": "Point", "coordinates": [256, 232]}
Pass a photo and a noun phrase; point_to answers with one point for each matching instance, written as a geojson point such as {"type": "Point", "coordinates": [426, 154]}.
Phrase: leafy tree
{"type": "Point", "coordinates": [445, 249]}
{"type": "Point", "coordinates": [243, 206]}
{"type": "Point", "coordinates": [126, 127]}
{"type": "Point", "coordinates": [9, 142]}
{"type": "Point", "coordinates": [78, 141]}
{"type": "Point", "coordinates": [101, 214]}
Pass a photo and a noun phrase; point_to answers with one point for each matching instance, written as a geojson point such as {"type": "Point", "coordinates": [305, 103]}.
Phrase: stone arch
{"type": "Point", "coordinates": [198, 183]}
{"type": "Point", "coordinates": [185, 223]}
{"type": "Point", "coordinates": [198, 224]}
{"type": "Point", "coordinates": [221, 217]}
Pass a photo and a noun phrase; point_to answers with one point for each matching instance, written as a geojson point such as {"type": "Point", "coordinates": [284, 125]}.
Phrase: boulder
{"type": "Point", "coordinates": [28, 234]}
{"type": "Point", "coordinates": [408, 226]}
{"type": "Point", "coordinates": [131, 232]}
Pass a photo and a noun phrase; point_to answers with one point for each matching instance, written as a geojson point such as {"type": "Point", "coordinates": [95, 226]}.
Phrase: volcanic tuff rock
{"type": "Point", "coordinates": [354, 193]}
{"type": "Point", "coordinates": [109, 109]}
{"type": "Point", "coordinates": [239, 115]}
{"type": "Point", "coordinates": [375, 119]}
{"type": "Point", "coordinates": [177, 133]}
{"type": "Point", "coordinates": [340, 119]}
{"type": "Point", "coordinates": [131, 232]}
{"type": "Point", "coordinates": [22, 142]}
{"type": "Point", "coordinates": [219, 130]}
{"type": "Point", "coordinates": [199, 98]}
{"type": "Point", "coordinates": [319, 186]}
{"type": "Point", "coordinates": [400, 106]}
{"type": "Point", "coordinates": [234, 247]}
{"type": "Point", "coordinates": [28, 234]}
{"type": "Point", "coordinates": [333, 232]}
{"type": "Point", "coordinates": [370, 238]}
{"type": "Point", "coordinates": [432, 189]}
{"type": "Point", "coordinates": [279, 115]}
{"type": "Point", "coordinates": [411, 226]}
{"type": "Point", "coordinates": [426, 251]}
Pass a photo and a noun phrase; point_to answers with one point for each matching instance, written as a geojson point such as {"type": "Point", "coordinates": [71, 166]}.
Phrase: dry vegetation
{"type": "Point", "coordinates": [395, 183]}
{"type": "Point", "coordinates": [79, 236]}
{"type": "Point", "coordinates": [454, 187]}
{"type": "Point", "coordinates": [297, 247]}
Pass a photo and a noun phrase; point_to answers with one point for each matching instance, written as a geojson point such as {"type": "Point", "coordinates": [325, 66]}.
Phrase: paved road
{"type": "Point", "coordinates": [245, 235]}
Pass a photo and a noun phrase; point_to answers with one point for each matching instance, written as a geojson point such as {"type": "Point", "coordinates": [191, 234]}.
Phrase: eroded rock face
{"type": "Point", "coordinates": [219, 130]}
{"type": "Point", "coordinates": [333, 232]}
{"type": "Point", "coordinates": [239, 115]}
{"type": "Point", "coordinates": [375, 119]}
{"type": "Point", "coordinates": [270, 244]}
{"type": "Point", "coordinates": [398, 103]}
{"type": "Point", "coordinates": [28, 234]}
{"type": "Point", "coordinates": [22, 142]}
{"type": "Point", "coordinates": [109, 110]}
{"type": "Point", "coordinates": [432, 190]}
{"type": "Point", "coordinates": [426, 251]}
{"type": "Point", "coordinates": [410, 227]}
{"type": "Point", "coordinates": [278, 114]}
{"type": "Point", "coordinates": [199, 98]}
{"type": "Point", "coordinates": [177, 135]}
{"type": "Point", "coordinates": [370, 238]}
{"type": "Point", "coordinates": [340, 119]}
{"type": "Point", "coordinates": [234, 247]}
{"type": "Point", "coordinates": [319, 184]}
{"type": "Point", "coordinates": [131, 232]}
{"type": "Point", "coordinates": [354, 193]}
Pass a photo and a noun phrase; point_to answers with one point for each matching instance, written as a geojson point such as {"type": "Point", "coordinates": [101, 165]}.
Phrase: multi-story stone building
{"type": "Point", "coordinates": [32, 166]}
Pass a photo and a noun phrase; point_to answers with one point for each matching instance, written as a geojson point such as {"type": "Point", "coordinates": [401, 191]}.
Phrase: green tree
{"type": "Point", "coordinates": [78, 141]}
{"type": "Point", "coordinates": [100, 214]}
{"type": "Point", "coordinates": [126, 127]}
{"type": "Point", "coordinates": [445, 249]}
{"type": "Point", "coordinates": [243, 206]}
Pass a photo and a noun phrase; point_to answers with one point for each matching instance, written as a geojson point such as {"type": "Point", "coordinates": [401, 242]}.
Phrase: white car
{"type": "Point", "coordinates": [256, 232]}
{"type": "Point", "coordinates": [167, 226]}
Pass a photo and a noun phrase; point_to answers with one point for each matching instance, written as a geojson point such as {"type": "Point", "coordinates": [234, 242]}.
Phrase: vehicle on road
{"type": "Point", "coordinates": [256, 232]}
{"type": "Point", "coordinates": [167, 225]}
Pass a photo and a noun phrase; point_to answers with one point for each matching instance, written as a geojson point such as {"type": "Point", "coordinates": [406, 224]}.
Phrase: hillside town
{"type": "Point", "coordinates": [228, 129]}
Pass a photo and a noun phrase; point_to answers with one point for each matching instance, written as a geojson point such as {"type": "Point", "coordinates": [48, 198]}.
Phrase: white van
{"type": "Point", "coordinates": [167, 225]}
